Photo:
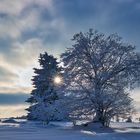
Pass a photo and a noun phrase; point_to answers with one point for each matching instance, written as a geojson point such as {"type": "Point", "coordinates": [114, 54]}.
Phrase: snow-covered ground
{"type": "Point", "coordinates": [28, 130]}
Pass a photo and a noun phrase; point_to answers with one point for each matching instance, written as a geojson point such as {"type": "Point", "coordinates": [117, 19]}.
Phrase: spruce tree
{"type": "Point", "coordinates": [44, 97]}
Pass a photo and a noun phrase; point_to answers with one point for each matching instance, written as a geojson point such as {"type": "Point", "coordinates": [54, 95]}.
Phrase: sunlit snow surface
{"type": "Point", "coordinates": [29, 130]}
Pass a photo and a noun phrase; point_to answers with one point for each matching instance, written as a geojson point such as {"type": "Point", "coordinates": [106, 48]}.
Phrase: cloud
{"type": "Point", "coordinates": [7, 75]}
{"type": "Point", "coordinates": [15, 7]}
{"type": "Point", "coordinates": [7, 111]}
{"type": "Point", "coordinates": [12, 7]}
{"type": "Point", "coordinates": [15, 88]}
{"type": "Point", "coordinates": [28, 24]}
{"type": "Point", "coordinates": [17, 62]}
{"type": "Point", "coordinates": [26, 52]}
{"type": "Point", "coordinates": [13, 26]}
{"type": "Point", "coordinates": [13, 99]}
{"type": "Point", "coordinates": [18, 16]}
{"type": "Point", "coordinates": [8, 80]}
{"type": "Point", "coordinates": [13, 105]}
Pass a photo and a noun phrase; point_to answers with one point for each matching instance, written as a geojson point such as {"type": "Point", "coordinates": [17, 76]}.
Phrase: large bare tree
{"type": "Point", "coordinates": [103, 69]}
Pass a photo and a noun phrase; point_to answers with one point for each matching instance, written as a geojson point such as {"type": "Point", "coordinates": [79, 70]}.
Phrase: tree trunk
{"type": "Point", "coordinates": [104, 120]}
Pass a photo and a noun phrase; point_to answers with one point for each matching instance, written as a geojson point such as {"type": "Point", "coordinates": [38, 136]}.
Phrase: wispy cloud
{"type": "Point", "coordinates": [13, 105]}
{"type": "Point", "coordinates": [7, 75]}
{"type": "Point", "coordinates": [13, 99]}
{"type": "Point", "coordinates": [12, 110]}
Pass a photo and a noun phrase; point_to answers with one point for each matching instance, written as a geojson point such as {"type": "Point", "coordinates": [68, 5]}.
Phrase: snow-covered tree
{"type": "Point", "coordinates": [129, 119]}
{"type": "Point", "coordinates": [45, 103]}
{"type": "Point", "coordinates": [104, 69]}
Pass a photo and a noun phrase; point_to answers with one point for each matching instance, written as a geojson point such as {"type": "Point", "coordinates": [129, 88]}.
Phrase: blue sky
{"type": "Point", "coordinates": [29, 27]}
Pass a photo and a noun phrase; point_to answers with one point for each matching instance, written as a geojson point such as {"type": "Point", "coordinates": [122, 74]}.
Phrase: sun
{"type": "Point", "coordinates": [58, 80]}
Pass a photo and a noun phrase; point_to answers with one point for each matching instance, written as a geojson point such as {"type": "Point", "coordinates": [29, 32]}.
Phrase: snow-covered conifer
{"type": "Point", "coordinates": [45, 97]}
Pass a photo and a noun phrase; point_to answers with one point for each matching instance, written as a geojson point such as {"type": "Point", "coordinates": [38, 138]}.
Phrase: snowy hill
{"type": "Point", "coordinates": [29, 130]}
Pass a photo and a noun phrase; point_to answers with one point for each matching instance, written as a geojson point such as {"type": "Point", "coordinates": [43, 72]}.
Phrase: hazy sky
{"type": "Point", "coordinates": [29, 27]}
